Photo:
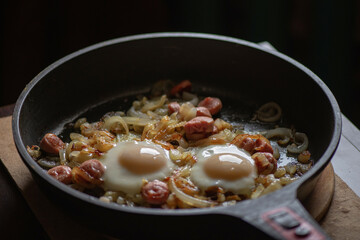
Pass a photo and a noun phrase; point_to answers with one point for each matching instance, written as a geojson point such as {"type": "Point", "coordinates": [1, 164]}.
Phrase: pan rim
{"type": "Point", "coordinates": [321, 163]}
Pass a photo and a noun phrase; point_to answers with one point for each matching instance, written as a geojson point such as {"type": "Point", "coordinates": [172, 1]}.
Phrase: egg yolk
{"type": "Point", "coordinates": [227, 166]}
{"type": "Point", "coordinates": [142, 160]}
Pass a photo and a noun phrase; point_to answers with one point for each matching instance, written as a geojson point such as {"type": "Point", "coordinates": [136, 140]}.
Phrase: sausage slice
{"type": "Point", "coordinates": [202, 111]}
{"type": "Point", "coordinates": [181, 87]}
{"type": "Point", "coordinates": [265, 162]}
{"type": "Point", "coordinates": [93, 167]}
{"type": "Point", "coordinates": [199, 127]}
{"type": "Point", "coordinates": [263, 145]}
{"type": "Point", "coordinates": [61, 173]}
{"type": "Point", "coordinates": [155, 192]}
{"type": "Point", "coordinates": [89, 173]}
{"type": "Point", "coordinates": [253, 143]}
{"type": "Point", "coordinates": [214, 105]}
{"type": "Point", "coordinates": [51, 143]}
{"type": "Point", "coordinates": [173, 107]}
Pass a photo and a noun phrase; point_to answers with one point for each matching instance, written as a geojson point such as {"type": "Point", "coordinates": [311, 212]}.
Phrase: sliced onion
{"type": "Point", "coordinates": [112, 124]}
{"type": "Point", "coordinates": [77, 136]}
{"type": "Point", "coordinates": [129, 137]}
{"type": "Point", "coordinates": [34, 151]}
{"type": "Point", "coordinates": [62, 155]}
{"type": "Point", "coordinates": [283, 133]}
{"type": "Point", "coordinates": [79, 122]}
{"type": "Point", "coordinates": [138, 121]}
{"type": "Point", "coordinates": [276, 153]}
{"type": "Point", "coordinates": [195, 202]}
{"type": "Point", "coordinates": [192, 98]}
{"type": "Point", "coordinates": [216, 139]}
{"type": "Point", "coordinates": [133, 113]}
{"type": "Point", "coordinates": [257, 193]}
{"type": "Point", "coordinates": [276, 185]}
{"type": "Point", "coordinates": [187, 111]}
{"type": "Point", "coordinates": [152, 105]}
{"type": "Point", "coordinates": [269, 112]}
{"type": "Point", "coordinates": [153, 115]}
{"type": "Point", "coordinates": [48, 163]}
{"type": "Point", "coordinates": [161, 111]}
{"type": "Point", "coordinates": [303, 144]}
{"type": "Point", "coordinates": [183, 143]}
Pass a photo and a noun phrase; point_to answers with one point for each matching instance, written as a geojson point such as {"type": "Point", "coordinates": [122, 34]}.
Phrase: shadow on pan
{"type": "Point", "coordinates": [106, 76]}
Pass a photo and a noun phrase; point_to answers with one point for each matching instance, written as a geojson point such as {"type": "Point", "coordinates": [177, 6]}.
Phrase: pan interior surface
{"type": "Point", "coordinates": [244, 75]}
{"type": "Point", "coordinates": [108, 76]}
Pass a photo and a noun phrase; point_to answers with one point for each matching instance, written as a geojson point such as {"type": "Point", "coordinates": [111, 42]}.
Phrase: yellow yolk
{"type": "Point", "coordinates": [227, 166]}
{"type": "Point", "coordinates": [142, 160]}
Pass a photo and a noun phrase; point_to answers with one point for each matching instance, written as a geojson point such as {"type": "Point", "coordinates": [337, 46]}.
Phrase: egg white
{"type": "Point", "coordinates": [118, 178]}
{"type": "Point", "coordinates": [198, 176]}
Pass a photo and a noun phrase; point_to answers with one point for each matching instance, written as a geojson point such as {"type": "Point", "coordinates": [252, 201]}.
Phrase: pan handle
{"type": "Point", "coordinates": [287, 220]}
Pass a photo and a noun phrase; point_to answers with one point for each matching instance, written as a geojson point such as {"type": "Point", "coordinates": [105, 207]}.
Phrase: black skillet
{"type": "Point", "coordinates": [108, 75]}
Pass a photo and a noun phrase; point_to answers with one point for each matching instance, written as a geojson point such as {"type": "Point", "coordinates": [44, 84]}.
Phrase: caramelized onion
{"type": "Point", "coordinates": [34, 151]}
{"type": "Point", "coordinates": [77, 136]}
{"type": "Point", "coordinates": [48, 163]}
{"type": "Point", "coordinates": [133, 113]}
{"type": "Point", "coordinates": [113, 124]}
{"type": "Point", "coordinates": [136, 121]}
{"type": "Point", "coordinates": [212, 140]}
{"type": "Point", "coordinates": [283, 133]}
{"type": "Point", "coordinates": [62, 154]}
{"type": "Point", "coordinates": [192, 201]}
{"type": "Point", "coordinates": [302, 146]}
{"type": "Point", "coordinates": [79, 122]}
{"type": "Point", "coordinates": [269, 112]}
{"type": "Point", "coordinates": [192, 98]}
{"type": "Point", "coordinates": [152, 105]}
{"type": "Point", "coordinates": [187, 111]}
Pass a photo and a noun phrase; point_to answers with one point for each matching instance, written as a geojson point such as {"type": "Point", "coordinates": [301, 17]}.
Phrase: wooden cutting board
{"type": "Point", "coordinates": [320, 198]}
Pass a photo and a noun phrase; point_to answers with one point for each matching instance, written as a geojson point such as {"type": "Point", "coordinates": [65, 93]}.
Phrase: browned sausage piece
{"type": "Point", "coordinates": [247, 144]}
{"type": "Point", "coordinates": [263, 145]}
{"type": "Point", "coordinates": [89, 173]}
{"type": "Point", "coordinates": [244, 141]}
{"type": "Point", "coordinates": [253, 143]}
{"type": "Point", "coordinates": [173, 107]}
{"type": "Point", "coordinates": [202, 111]}
{"type": "Point", "coordinates": [181, 87]}
{"type": "Point", "coordinates": [51, 143]}
{"type": "Point", "coordinates": [93, 167]}
{"type": "Point", "coordinates": [199, 127]}
{"type": "Point", "coordinates": [61, 173]}
{"type": "Point", "coordinates": [213, 104]}
{"type": "Point", "coordinates": [155, 192]}
{"type": "Point", "coordinates": [265, 162]}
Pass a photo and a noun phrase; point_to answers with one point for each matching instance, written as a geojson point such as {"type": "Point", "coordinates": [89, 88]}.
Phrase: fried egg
{"type": "Point", "coordinates": [225, 166]}
{"type": "Point", "coordinates": [128, 164]}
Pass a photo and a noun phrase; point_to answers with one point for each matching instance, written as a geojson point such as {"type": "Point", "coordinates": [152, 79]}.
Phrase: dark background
{"type": "Point", "coordinates": [323, 35]}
